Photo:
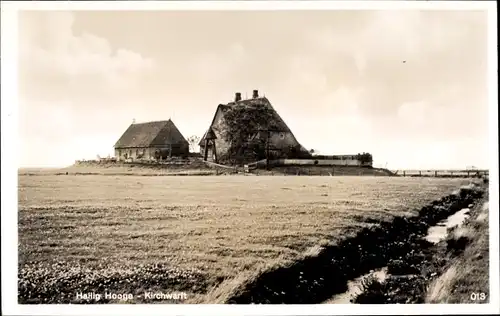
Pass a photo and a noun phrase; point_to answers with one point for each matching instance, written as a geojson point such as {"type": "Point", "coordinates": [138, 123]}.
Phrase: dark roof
{"type": "Point", "coordinates": [281, 125]}
{"type": "Point", "coordinates": [150, 134]}
{"type": "Point", "coordinates": [210, 134]}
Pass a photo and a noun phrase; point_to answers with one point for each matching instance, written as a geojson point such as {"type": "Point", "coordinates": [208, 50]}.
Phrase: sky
{"type": "Point", "coordinates": [409, 86]}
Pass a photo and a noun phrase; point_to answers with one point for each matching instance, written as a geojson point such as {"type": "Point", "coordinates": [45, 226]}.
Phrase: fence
{"type": "Point", "coordinates": [442, 173]}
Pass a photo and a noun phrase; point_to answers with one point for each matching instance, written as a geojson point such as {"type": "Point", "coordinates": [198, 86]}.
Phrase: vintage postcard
{"type": "Point", "coordinates": [249, 158]}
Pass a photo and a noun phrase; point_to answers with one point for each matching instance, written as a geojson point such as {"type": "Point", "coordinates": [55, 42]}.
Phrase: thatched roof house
{"type": "Point", "coordinates": [257, 124]}
{"type": "Point", "coordinates": [151, 140]}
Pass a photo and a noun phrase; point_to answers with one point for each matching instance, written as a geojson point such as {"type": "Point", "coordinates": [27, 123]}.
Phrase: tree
{"type": "Point", "coordinates": [365, 158]}
{"type": "Point", "coordinates": [193, 143]}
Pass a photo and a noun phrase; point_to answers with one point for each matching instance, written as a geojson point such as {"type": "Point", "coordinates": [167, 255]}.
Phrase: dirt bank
{"type": "Point", "coordinates": [197, 167]}
{"type": "Point", "coordinates": [317, 278]}
{"type": "Point", "coordinates": [466, 276]}
{"type": "Point", "coordinates": [181, 167]}
{"type": "Point", "coordinates": [455, 270]}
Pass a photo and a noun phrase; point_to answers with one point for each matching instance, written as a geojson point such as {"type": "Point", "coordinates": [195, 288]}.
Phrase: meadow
{"type": "Point", "coordinates": [201, 235]}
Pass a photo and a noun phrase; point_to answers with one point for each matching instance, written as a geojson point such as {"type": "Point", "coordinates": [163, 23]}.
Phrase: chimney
{"type": "Point", "coordinates": [237, 97]}
{"type": "Point", "coordinates": [255, 94]}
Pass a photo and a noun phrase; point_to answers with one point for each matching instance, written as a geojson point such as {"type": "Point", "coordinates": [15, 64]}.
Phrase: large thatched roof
{"type": "Point", "coordinates": [151, 134]}
{"type": "Point", "coordinates": [255, 102]}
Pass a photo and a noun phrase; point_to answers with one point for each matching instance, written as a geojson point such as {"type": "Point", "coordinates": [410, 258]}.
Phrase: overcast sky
{"type": "Point", "coordinates": [410, 87]}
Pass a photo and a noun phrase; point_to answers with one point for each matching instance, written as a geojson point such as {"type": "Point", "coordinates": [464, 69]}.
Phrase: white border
{"type": "Point", "coordinates": [9, 153]}
{"type": "Point", "coordinates": [251, 5]}
{"type": "Point", "coordinates": [493, 147]}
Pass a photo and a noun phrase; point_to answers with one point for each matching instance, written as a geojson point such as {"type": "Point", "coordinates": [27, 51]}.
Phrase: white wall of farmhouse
{"type": "Point", "coordinates": [122, 154]}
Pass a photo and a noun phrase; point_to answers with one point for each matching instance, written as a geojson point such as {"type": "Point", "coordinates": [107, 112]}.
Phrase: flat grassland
{"type": "Point", "coordinates": [195, 234]}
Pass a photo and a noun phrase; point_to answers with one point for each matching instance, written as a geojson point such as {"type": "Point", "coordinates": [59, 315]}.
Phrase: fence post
{"type": "Point", "coordinates": [420, 173]}
{"type": "Point", "coordinates": [404, 173]}
{"type": "Point", "coordinates": [435, 173]}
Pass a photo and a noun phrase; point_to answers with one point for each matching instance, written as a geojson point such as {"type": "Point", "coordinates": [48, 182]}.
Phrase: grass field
{"type": "Point", "coordinates": [194, 234]}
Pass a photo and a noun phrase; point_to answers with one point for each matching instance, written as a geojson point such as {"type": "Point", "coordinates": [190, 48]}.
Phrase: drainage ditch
{"type": "Point", "coordinates": [339, 269]}
{"type": "Point", "coordinates": [358, 287]}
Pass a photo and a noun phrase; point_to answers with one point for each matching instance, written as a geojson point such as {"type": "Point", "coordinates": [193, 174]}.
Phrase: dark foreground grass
{"type": "Point", "coordinates": [39, 284]}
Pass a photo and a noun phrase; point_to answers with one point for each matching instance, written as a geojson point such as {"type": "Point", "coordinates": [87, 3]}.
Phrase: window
{"type": "Point", "coordinates": [282, 135]}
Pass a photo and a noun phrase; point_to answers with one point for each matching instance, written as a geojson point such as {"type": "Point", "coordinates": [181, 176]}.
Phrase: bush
{"type": "Point", "coordinates": [365, 158]}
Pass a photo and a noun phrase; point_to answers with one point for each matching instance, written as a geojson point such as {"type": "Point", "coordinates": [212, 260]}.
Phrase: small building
{"type": "Point", "coordinates": [279, 140]}
{"type": "Point", "coordinates": [151, 141]}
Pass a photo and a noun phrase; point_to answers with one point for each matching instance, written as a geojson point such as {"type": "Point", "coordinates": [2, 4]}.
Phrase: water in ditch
{"type": "Point", "coordinates": [434, 235]}
{"type": "Point", "coordinates": [439, 232]}
{"type": "Point", "coordinates": [355, 287]}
